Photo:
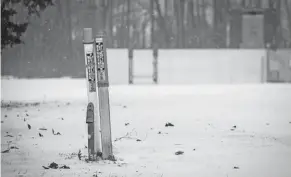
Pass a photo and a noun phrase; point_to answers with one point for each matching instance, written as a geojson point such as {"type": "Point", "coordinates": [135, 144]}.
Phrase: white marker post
{"type": "Point", "coordinates": [92, 117]}
{"type": "Point", "coordinates": [103, 93]}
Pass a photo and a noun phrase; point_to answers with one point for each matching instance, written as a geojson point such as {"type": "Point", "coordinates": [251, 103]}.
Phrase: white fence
{"type": "Point", "coordinates": [190, 66]}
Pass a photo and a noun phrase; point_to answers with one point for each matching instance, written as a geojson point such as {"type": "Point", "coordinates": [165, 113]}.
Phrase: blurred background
{"type": "Point", "coordinates": [49, 43]}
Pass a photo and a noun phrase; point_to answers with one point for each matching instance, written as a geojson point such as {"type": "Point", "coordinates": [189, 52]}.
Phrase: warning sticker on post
{"type": "Point", "coordinates": [100, 60]}
{"type": "Point", "coordinates": [91, 71]}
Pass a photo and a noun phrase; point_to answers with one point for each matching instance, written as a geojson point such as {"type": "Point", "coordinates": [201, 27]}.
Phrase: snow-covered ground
{"type": "Point", "coordinates": [204, 117]}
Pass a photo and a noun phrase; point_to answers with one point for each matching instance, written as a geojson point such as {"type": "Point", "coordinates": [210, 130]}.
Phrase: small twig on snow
{"type": "Point", "coordinates": [128, 135]}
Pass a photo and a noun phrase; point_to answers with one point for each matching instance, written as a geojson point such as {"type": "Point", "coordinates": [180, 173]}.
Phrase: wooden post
{"type": "Point", "coordinates": [103, 93]}
{"type": "Point", "coordinates": [155, 64]}
{"type": "Point", "coordinates": [92, 118]}
{"type": "Point", "coordinates": [267, 63]}
{"type": "Point", "coordinates": [130, 65]}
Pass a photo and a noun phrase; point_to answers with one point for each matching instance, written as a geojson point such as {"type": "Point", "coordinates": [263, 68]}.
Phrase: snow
{"type": "Point", "coordinates": [203, 116]}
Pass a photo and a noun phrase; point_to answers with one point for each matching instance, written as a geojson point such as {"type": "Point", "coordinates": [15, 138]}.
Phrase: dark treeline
{"type": "Point", "coordinates": [54, 38]}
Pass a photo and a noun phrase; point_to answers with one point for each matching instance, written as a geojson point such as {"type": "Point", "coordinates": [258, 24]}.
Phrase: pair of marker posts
{"type": "Point", "coordinates": [98, 108]}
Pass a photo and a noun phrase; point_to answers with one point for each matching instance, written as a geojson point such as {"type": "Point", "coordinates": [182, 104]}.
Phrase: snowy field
{"type": "Point", "coordinates": [223, 130]}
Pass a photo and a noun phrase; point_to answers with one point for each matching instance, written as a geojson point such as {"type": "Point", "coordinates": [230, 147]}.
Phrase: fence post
{"type": "Point", "coordinates": [155, 64]}
{"type": "Point", "coordinates": [267, 64]}
{"type": "Point", "coordinates": [130, 65]}
{"type": "Point", "coordinates": [103, 93]}
{"type": "Point", "coordinates": [92, 117]}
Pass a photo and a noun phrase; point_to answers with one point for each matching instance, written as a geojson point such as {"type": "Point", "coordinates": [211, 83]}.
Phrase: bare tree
{"type": "Point", "coordinates": [288, 10]}
{"type": "Point", "coordinates": [161, 21]}
{"type": "Point", "coordinates": [152, 23]}
{"type": "Point", "coordinates": [258, 3]}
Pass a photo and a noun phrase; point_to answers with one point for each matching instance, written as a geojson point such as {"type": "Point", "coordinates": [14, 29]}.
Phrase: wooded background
{"type": "Point", "coordinates": [55, 38]}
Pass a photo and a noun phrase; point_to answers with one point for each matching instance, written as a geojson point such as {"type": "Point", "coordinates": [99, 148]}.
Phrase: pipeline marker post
{"type": "Point", "coordinates": [103, 93]}
{"type": "Point", "coordinates": [155, 64]}
{"type": "Point", "coordinates": [130, 65]}
{"type": "Point", "coordinates": [90, 122]}
{"type": "Point", "coordinates": [92, 117]}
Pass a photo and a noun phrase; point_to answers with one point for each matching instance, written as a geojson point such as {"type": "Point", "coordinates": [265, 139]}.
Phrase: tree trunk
{"type": "Point", "coordinates": [258, 3]}
{"type": "Point", "coordinates": [198, 11]}
{"type": "Point", "coordinates": [152, 23]}
{"type": "Point", "coordinates": [288, 10]}
{"type": "Point", "coordinates": [179, 22]}
{"type": "Point", "coordinates": [166, 8]}
{"type": "Point", "coordinates": [99, 22]}
{"type": "Point", "coordinates": [243, 3]}
{"type": "Point", "coordinates": [278, 24]}
{"type": "Point", "coordinates": [60, 10]}
{"type": "Point", "coordinates": [191, 22]}
{"type": "Point", "coordinates": [190, 15]}
{"type": "Point", "coordinates": [128, 23]}
{"type": "Point", "coordinates": [182, 16]}
{"type": "Point", "coordinates": [176, 11]}
{"type": "Point", "coordinates": [109, 23]}
{"type": "Point", "coordinates": [203, 23]}
{"type": "Point", "coordinates": [167, 42]}
{"type": "Point", "coordinates": [69, 28]}
{"type": "Point", "coordinates": [271, 3]}
{"type": "Point", "coordinates": [219, 21]}
{"type": "Point", "coordinates": [122, 29]}
{"type": "Point", "coordinates": [162, 23]}
{"type": "Point", "coordinates": [143, 45]}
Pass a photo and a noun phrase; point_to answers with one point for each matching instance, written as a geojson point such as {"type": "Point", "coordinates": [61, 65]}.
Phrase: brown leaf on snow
{"type": "Point", "coordinates": [45, 167]}
{"type": "Point", "coordinates": [5, 151]}
{"type": "Point", "coordinates": [169, 124]}
{"type": "Point", "coordinates": [64, 167]}
{"type": "Point", "coordinates": [53, 165]}
{"type": "Point", "coordinates": [8, 136]}
{"type": "Point", "coordinates": [179, 153]}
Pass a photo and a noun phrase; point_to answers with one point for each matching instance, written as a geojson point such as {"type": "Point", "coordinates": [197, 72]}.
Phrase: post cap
{"type": "Point", "coordinates": [87, 35]}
